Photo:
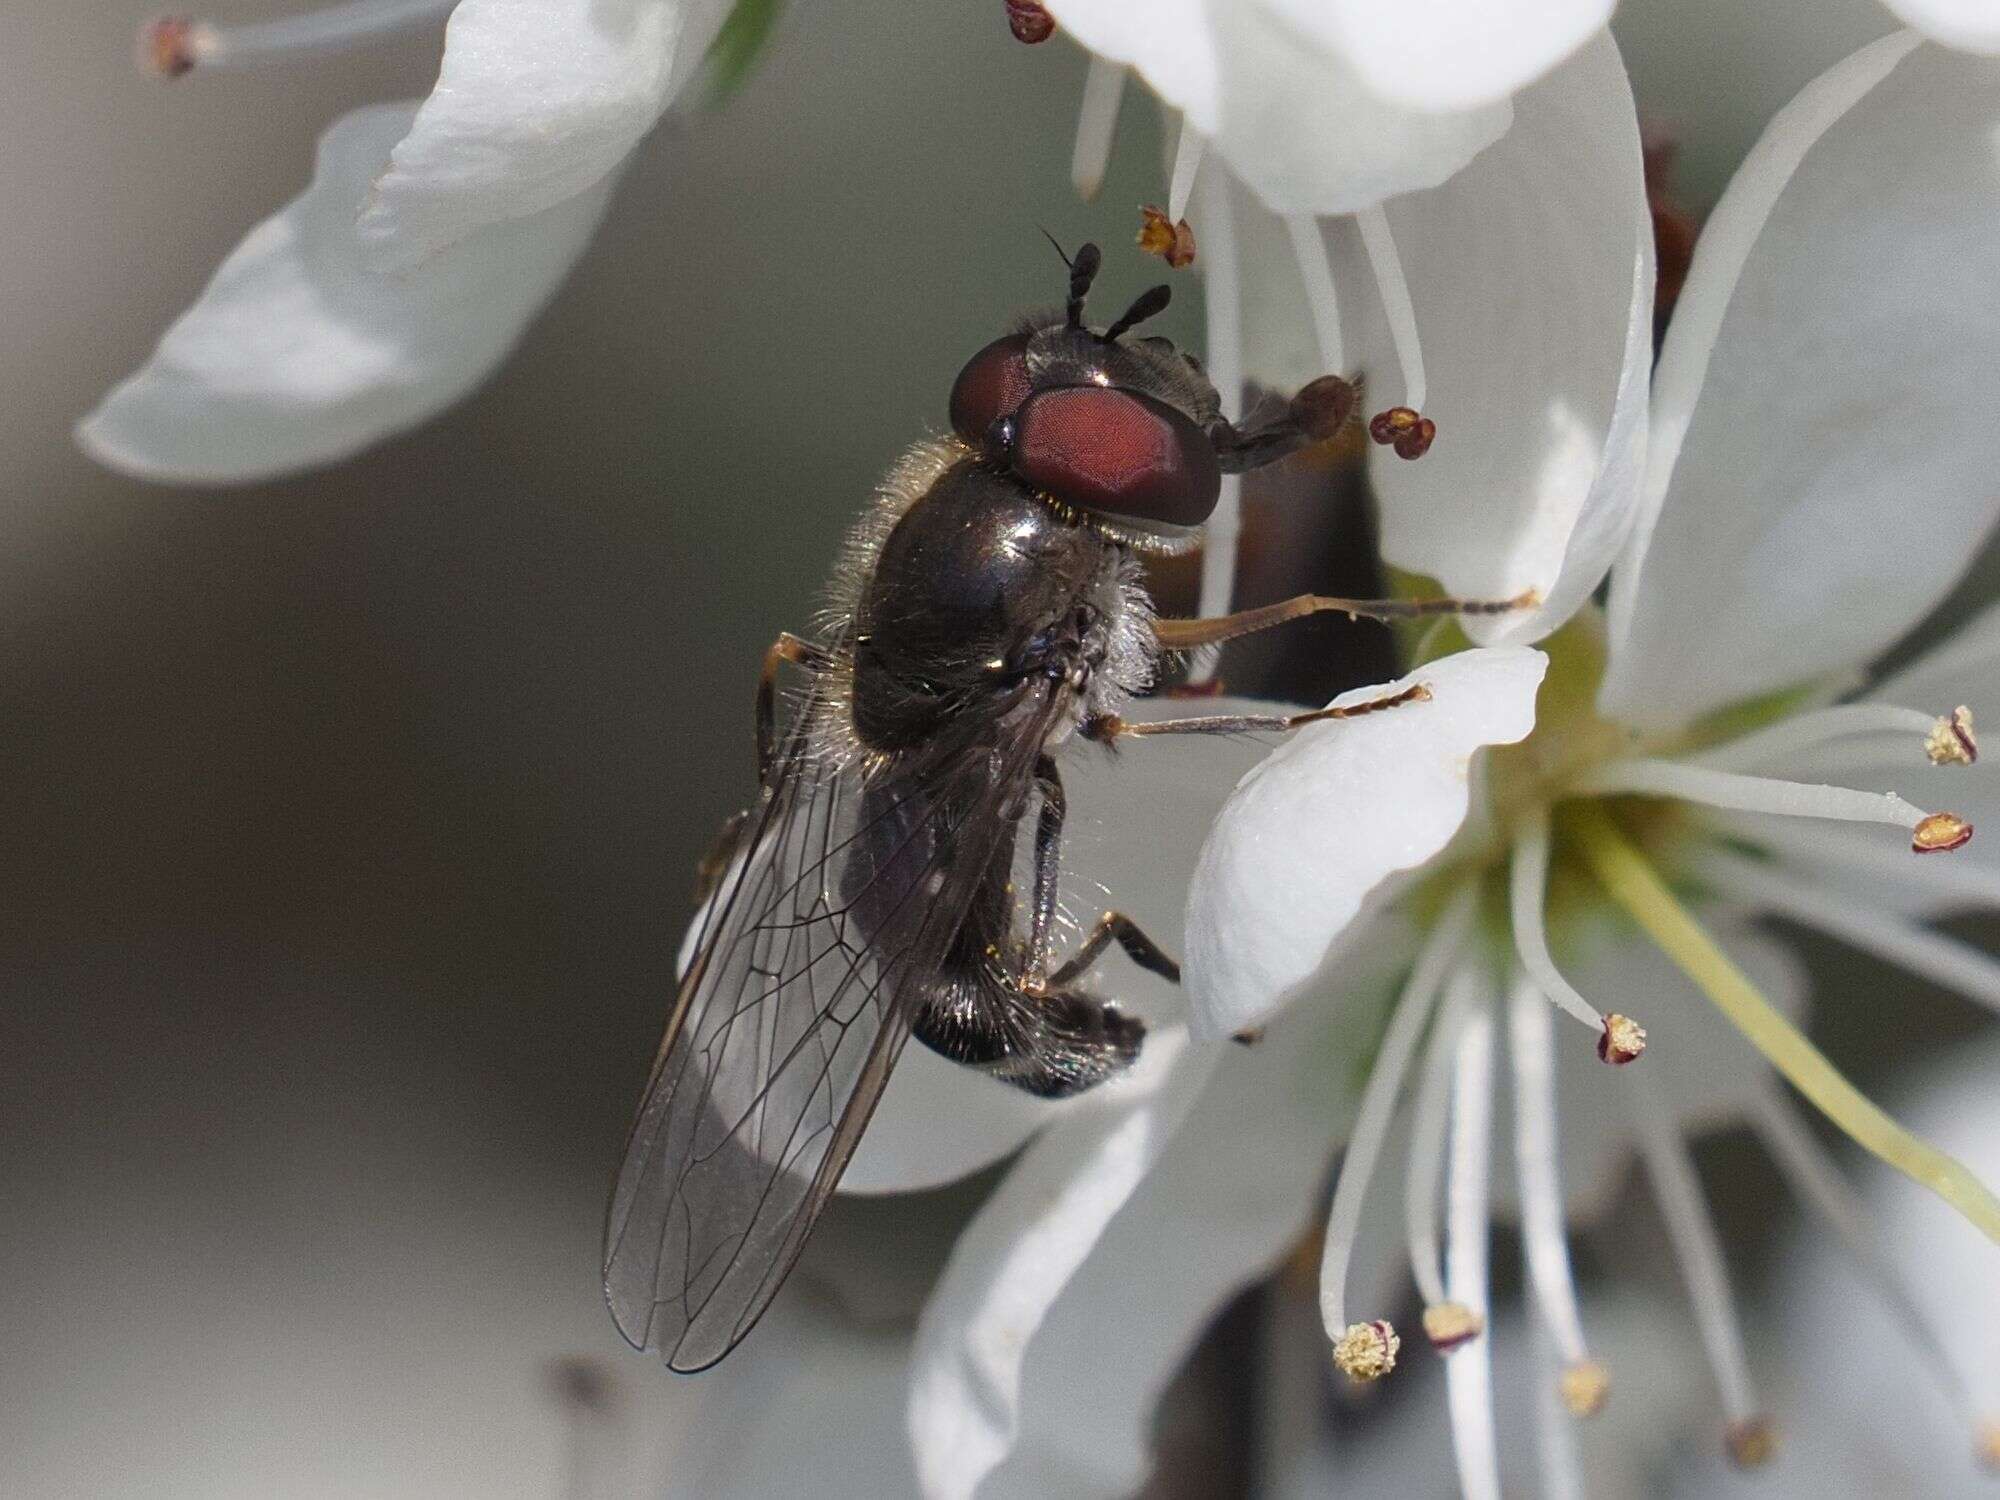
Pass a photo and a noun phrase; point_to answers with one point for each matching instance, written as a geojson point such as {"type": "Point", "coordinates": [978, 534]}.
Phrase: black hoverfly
{"type": "Point", "coordinates": [988, 607]}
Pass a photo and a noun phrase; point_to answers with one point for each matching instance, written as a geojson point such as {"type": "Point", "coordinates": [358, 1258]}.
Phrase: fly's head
{"type": "Point", "coordinates": [1122, 430]}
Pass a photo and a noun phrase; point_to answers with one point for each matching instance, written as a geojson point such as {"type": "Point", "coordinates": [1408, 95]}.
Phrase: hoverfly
{"type": "Point", "coordinates": [988, 607]}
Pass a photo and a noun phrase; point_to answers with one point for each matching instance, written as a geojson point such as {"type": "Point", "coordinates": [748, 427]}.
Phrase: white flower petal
{"type": "Point", "coordinates": [536, 101]}
{"type": "Point", "coordinates": [296, 354]}
{"type": "Point", "coordinates": [1836, 477]}
{"type": "Point", "coordinates": [1531, 273]}
{"type": "Point", "coordinates": [1019, 1252]}
{"type": "Point", "coordinates": [1970, 25]}
{"type": "Point", "coordinates": [1296, 123]}
{"type": "Point", "coordinates": [1135, 826]}
{"type": "Point", "coordinates": [1335, 811]}
{"type": "Point", "coordinates": [1239, 1186]}
{"type": "Point", "coordinates": [1447, 54]}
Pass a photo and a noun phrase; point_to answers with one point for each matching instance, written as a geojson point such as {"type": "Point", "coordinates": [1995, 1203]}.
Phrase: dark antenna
{"type": "Point", "coordinates": [1082, 271]}
{"type": "Point", "coordinates": [1150, 303]}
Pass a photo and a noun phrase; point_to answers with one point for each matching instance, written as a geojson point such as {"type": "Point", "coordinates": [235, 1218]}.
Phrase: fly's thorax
{"type": "Point", "coordinates": [978, 598]}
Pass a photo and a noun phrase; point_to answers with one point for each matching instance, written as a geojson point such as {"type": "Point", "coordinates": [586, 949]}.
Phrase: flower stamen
{"type": "Point", "coordinates": [1427, 1139]}
{"type": "Point", "coordinates": [1367, 1351]}
{"type": "Point", "coordinates": [1316, 272]}
{"type": "Point", "coordinates": [1636, 886]}
{"type": "Point", "coordinates": [1187, 166]}
{"type": "Point", "coordinates": [1778, 743]}
{"type": "Point", "coordinates": [1738, 793]}
{"type": "Point", "coordinates": [1161, 236]}
{"type": "Point", "coordinates": [1396, 305]}
{"type": "Point", "coordinates": [175, 45]}
{"type": "Point", "coordinates": [1469, 1376]}
{"type": "Point", "coordinates": [1096, 126]}
{"type": "Point", "coordinates": [1545, 1245]}
{"type": "Point", "coordinates": [1528, 880]}
{"type": "Point", "coordinates": [1225, 369]}
{"type": "Point", "coordinates": [1692, 1232]}
{"type": "Point", "coordinates": [1378, 1105]}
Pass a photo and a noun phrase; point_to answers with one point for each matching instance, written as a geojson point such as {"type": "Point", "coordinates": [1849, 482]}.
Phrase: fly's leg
{"type": "Point", "coordinates": [1185, 635]}
{"type": "Point", "coordinates": [1116, 927]}
{"type": "Point", "coordinates": [786, 648]}
{"type": "Point", "coordinates": [1108, 729]}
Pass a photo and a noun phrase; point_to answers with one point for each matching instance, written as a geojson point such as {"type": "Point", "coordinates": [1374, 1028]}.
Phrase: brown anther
{"type": "Point", "coordinates": [166, 46]}
{"type": "Point", "coordinates": [1449, 1324]}
{"type": "Point", "coordinates": [1623, 1040]}
{"type": "Point", "coordinates": [1939, 833]}
{"type": "Point", "coordinates": [1951, 742]}
{"type": "Point", "coordinates": [1161, 236]}
{"type": "Point", "coordinates": [1249, 1036]}
{"type": "Point", "coordinates": [1367, 1351]}
{"type": "Point", "coordinates": [1986, 1444]}
{"type": "Point", "coordinates": [1585, 1387]}
{"type": "Point", "coordinates": [1030, 21]}
{"type": "Point", "coordinates": [1324, 406]}
{"type": "Point", "coordinates": [1751, 1443]}
{"type": "Point", "coordinates": [1405, 429]}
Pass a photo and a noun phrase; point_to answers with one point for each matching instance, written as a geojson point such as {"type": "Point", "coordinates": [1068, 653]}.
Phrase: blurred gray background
{"type": "Point", "coordinates": [347, 824]}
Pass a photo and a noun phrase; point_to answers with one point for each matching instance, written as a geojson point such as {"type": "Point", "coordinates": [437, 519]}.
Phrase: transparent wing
{"type": "Point", "coordinates": [808, 967]}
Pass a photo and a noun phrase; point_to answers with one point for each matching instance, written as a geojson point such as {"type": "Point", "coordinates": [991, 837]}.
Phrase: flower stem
{"type": "Point", "coordinates": [1637, 886]}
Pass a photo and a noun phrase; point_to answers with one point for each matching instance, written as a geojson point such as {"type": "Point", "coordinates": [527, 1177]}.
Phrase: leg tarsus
{"type": "Point", "coordinates": [1185, 635]}
{"type": "Point", "coordinates": [1108, 729]}
{"type": "Point", "coordinates": [1115, 926]}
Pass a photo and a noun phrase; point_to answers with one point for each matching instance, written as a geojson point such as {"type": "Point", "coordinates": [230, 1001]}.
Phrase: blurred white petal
{"type": "Point", "coordinates": [1447, 54]}
{"type": "Point", "coordinates": [1537, 362]}
{"type": "Point", "coordinates": [1336, 810]}
{"type": "Point", "coordinates": [536, 101]}
{"type": "Point", "coordinates": [1238, 1188]}
{"type": "Point", "coordinates": [1835, 478]}
{"type": "Point", "coordinates": [1015, 1258]}
{"type": "Point", "coordinates": [297, 354]}
{"type": "Point", "coordinates": [1296, 123]}
{"type": "Point", "coordinates": [1970, 25]}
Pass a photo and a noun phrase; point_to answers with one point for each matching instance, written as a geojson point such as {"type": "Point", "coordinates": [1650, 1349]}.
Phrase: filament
{"type": "Point", "coordinates": [1378, 1102]}
{"type": "Point", "coordinates": [1427, 1135]}
{"type": "Point", "coordinates": [1632, 881]}
{"type": "Point", "coordinates": [1964, 883]}
{"type": "Point", "coordinates": [1809, 1170]}
{"type": "Point", "coordinates": [1528, 880]}
{"type": "Point", "coordinates": [1396, 305]}
{"type": "Point", "coordinates": [1531, 1049]}
{"type": "Point", "coordinates": [1225, 369]}
{"type": "Point", "coordinates": [1954, 964]}
{"type": "Point", "coordinates": [1692, 1232]}
{"type": "Point", "coordinates": [1802, 732]}
{"type": "Point", "coordinates": [177, 45]}
{"type": "Point", "coordinates": [1096, 125]}
{"type": "Point", "coordinates": [1180, 188]}
{"type": "Point", "coordinates": [1738, 793]}
{"type": "Point", "coordinates": [1555, 1434]}
{"type": "Point", "coordinates": [1469, 1372]}
{"type": "Point", "coordinates": [1316, 271]}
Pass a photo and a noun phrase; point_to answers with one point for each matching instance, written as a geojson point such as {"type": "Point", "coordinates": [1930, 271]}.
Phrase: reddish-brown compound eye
{"type": "Point", "coordinates": [1118, 453]}
{"type": "Point", "coordinates": [993, 383]}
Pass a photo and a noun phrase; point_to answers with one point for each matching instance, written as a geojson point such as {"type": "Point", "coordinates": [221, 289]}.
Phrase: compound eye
{"type": "Point", "coordinates": [1118, 453]}
{"type": "Point", "coordinates": [993, 383]}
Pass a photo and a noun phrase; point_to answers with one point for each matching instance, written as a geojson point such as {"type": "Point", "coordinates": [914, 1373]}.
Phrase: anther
{"type": "Point", "coordinates": [1622, 1041]}
{"type": "Point", "coordinates": [1367, 1351]}
{"type": "Point", "coordinates": [1751, 1443]}
{"type": "Point", "coordinates": [1951, 742]}
{"type": "Point", "coordinates": [1987, 1444]}
{"type": "Point", "coordinates": [169, 46]}
{"type": "Point", "coordinates": [1161, 236]}
{"type": "Point", "coordinates": [1404, 429]}
{"type": "Point", "coordinates": [1939, 833]}
{"type": "Point", "coordinates": [1585, 1387]}
{"type": "Point", "coordinates": [1030, 21]}
{"type": "Point", "coordinates": [1323, 406]}
{"type": "Point", "coordinates": [1449, 1324]}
